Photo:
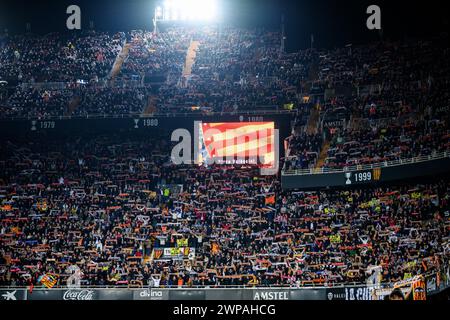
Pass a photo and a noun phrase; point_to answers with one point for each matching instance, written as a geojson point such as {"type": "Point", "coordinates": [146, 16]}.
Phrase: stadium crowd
{"type": "Point", "coordinates": [156, 54]}
{"type": "Point", "coordinates": [117, 208]}
{"type": "Point", "coordinates": [386, 143]}
{"type": "Point", "coordinates": [235, 69]}
{"type": "Point", "coordinates": [112, 204]}
{"type": "Point", "coordinates": [112, 101]}
{"type": "Point", "coordinates": [397, 86]}
{"type": "Point", "coordinates": [37, 103]}
{"type": "Point", "coordinates": [304, 150]}
{"type": "Point", "coordinates": [384, 102]}
{"type": "Point", "coordinates": [76, 100]}
{"type": "Point", "coordinates": [58, 57]}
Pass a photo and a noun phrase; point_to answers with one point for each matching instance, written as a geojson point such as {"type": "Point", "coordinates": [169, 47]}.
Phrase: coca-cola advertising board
{"type": "Point", "coordinates": [80, 294]}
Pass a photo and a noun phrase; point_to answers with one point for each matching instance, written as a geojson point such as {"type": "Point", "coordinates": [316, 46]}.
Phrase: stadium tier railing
{"type": "Point", "coordinates": [125, 286]}
{"type": "Point", "coordinates": [309, 284]}
{"type": "Point", "coordinates": [157, 114]}
{"type": "Point", "coordinates": [359, 167]}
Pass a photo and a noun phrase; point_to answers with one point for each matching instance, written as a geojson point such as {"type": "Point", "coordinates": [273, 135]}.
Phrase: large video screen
{"type": "Point", "coordinates": [241, 143]}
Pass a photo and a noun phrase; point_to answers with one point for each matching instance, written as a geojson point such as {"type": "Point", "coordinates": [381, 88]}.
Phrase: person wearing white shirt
{"type": "Point", "coordinates": [156, 280]}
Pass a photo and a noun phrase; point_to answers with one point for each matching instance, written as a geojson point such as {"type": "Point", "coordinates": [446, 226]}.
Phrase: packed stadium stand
{"type": "Point", "coordinates": [386, 102]}
{"type": "Point", "coordinates": [234, 69]}
{"type": "Point", "coordinates": [108, 203]}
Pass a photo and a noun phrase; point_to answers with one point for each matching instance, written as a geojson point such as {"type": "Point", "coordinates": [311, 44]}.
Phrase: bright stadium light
{"type": "Point", "coordinates": [168, 3]}
{"type": "Point", "coordinates": [158, 12]}
{"type": "Point", "coordinates": [200, 10]}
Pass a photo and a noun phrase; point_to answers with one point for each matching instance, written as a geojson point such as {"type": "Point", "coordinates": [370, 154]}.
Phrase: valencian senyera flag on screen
{"type": "Point", "coordinates": [236, 143]}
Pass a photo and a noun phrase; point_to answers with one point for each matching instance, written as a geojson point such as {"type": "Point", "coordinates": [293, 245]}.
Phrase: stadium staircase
{"type": "Point", "coordinates": [357, 123]}
{"type": "Point", "coordinates": [121, 57]}
{"type": "Point", "coordinates": [73, 105]}
{"type": "Point", "coordinates": [151, 107]}
{"type": "Point", "coordinates": [323, 155]}
{"type": "Point", "coordinates": [314, 117]}
{"type": "Point", "coordinates": [313, 120]}
{"type": "Point", "coordinates": [148, 258]}
{"type": "Point", "coordinates": [313, 74]}
{"type": "Point", "coordinates": [190, 58]}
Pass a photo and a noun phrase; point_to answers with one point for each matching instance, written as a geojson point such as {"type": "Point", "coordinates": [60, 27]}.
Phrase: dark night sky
{"type": "Point", "coordinates": [333, 23]}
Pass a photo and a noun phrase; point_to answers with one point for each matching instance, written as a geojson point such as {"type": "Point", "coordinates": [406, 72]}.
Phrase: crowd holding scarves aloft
{"type": "Point", "coordinates": [109, 212]}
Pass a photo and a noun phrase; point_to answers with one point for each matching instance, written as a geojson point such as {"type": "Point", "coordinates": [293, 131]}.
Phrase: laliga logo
{"type": "Point", "coordinates": [78, 295]}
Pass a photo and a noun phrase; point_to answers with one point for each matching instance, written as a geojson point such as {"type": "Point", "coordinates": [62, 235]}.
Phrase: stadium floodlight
{"type": "Point", "coordinates": [158, 12]}
{"type": "Point", "coordinates": [176, 10]}
{"type": "Point", "coordinates": [168, 3]}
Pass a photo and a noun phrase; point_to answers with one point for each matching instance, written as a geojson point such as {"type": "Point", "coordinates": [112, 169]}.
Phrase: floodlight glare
{"type": "Point", "coordinates": [168, 3]}
{"type": "Point", "coordinates": [189, 10]}
{"type": "Point", "coordinates": [158, 12]}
